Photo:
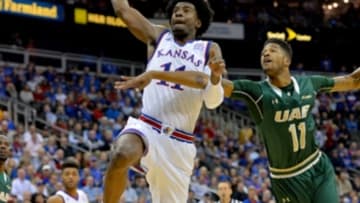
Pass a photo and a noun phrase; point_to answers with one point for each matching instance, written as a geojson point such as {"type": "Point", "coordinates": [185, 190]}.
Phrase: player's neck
{"type": "Point", "coordinates": [225, 200]}
{"type": "Point", "coordinates": [181, 40]}
{"type": "Point", "coordinates": [281, 80]}
{"type": "Point", "coordinates": [72, 192]}
{"type": "Point", "coordinates": [2, 167]}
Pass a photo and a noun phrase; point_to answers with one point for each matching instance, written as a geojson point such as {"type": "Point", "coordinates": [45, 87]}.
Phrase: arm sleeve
{"type": "Point", "coordinates": [322, 83]}
{"type": "Point", "coordinates": [213, 95]}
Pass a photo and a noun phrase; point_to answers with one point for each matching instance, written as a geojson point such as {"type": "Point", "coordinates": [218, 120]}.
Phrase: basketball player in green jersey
{"type": "Point", "coordinates": [281, 108]}
{"type": "Point", "coordinates": [5, 182]}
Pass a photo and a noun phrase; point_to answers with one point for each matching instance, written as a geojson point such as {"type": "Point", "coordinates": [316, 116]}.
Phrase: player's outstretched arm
{"type": "Point", "coordinates": [348, 82]}
{"type": "Point", "coordinates": [213, 94]}
{"type": "Point", "coordinates": [216, 63]}
{"type": "Point", "coordinates": [193, 79]}
{"type": "Point", "coordinates": [55, 199]}
{"type": "Point", "coordinates": [138, 25]}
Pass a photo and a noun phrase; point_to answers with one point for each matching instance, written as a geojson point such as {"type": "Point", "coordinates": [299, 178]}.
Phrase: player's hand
{"type": "Point", "coordinates": [217, 67]}
{"type": "Point", "coordinates": [139, 82]}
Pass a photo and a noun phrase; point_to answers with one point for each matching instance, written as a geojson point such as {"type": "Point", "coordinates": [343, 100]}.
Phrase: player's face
{"type": "Point", "coordinates": [224, 190]}
{"type": "Point", "coordinates": [4, 148]}
{"type": "Point", "coordinates": [70, 177]}
{"type": "Point", "coordinates": [273, 59]}
{"type": "Point", "coordinates": [184, 20]}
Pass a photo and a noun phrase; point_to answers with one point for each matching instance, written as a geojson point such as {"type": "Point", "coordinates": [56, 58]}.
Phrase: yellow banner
{"type": "Point", "coordinates": [32, 8]}
{"type": "Point", "coordinates": [289, 35]}
{"type": "Point", "coordinates": [82, 16]}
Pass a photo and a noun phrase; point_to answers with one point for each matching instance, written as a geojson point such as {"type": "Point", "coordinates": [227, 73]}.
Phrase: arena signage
{"type": "Point", "coordinates": [289, 35]}
{"type": "Point", "coordinates": [82, 16]}
{"type": "Point", "coordinates": [31, 8]}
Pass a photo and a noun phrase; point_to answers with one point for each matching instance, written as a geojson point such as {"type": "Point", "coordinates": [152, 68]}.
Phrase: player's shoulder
{"type": "Point", "coordinates": [307, 79]}
{"type": "Point", "coordinates": [81, 192]}
{"type": "Point", "coordinates": [161, 33]}
{"type": "Point", "coordinates": [257, 83]}
{"type": "Point", "coordinates": [211, 44]}
{"type": "Point", "coordinates": [55, 199]}
{"type": "Point", "coordinates": [83, 196]}
{"type": "Point", "coordinates": [251, 87]}
{"type": "Point", "coordinates": [301, 77]}
{"type": "Point", "coordinates": [245, 83]}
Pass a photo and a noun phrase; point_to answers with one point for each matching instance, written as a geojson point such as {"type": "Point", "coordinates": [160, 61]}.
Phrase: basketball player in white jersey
{"type": "Point", "coordinates": [70, 178]}
{"type": "Point", "coordinates": [161, 139]}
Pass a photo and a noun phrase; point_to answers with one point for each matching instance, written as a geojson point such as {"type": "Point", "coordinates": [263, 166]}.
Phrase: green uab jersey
{"type": "Point", "coordinates": [5, 187]}
{"type": "Point", "coordinates": [283, 117]}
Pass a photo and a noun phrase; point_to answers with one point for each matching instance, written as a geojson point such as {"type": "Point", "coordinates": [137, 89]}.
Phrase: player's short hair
{"type": "Point", "coordinates": [203, 10]}
{"type": "Point", "coordinates": [283, 44]}
{"type": "Point", "coordinates": [225, 181]}
{"type": "Point", "coordinates": [70, 163]}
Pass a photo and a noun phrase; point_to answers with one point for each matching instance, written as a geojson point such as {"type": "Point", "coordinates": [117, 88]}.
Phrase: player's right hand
{"type": "Point", "coordinates": [139, 82]}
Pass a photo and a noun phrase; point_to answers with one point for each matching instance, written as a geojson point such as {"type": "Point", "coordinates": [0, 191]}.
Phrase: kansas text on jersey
{"type": "Point", "coordinates": [174, 104]}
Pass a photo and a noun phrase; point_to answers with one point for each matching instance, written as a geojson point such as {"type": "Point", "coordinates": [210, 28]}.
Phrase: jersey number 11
{"type": "Point", "coordinates": [293, 129]}
{"type": "Point", "coordinates": [167, 67]}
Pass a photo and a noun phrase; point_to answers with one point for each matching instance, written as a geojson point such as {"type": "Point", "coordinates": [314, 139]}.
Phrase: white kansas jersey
{"type": "Point", "coordinates": [174, 104]}
{"type": "Point", "coordinates": [82, 198]}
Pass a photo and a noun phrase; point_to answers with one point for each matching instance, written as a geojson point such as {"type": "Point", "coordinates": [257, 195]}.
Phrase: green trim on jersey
{"type": "Point", "coordinates": [284, 117]}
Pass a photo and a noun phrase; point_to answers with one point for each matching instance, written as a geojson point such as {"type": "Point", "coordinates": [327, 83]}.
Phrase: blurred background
{"type": "Point", "coordinates": [59, 60]}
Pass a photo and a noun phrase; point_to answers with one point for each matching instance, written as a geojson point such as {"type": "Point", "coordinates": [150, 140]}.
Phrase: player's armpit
{"type": "Point", "coordinates": [55, 199]}
{"type": "Point", "coordinates": [348, 82]}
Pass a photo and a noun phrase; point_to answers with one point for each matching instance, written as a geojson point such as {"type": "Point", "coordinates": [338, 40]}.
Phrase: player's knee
{"type": "Point", "coordinates": [124, 156]}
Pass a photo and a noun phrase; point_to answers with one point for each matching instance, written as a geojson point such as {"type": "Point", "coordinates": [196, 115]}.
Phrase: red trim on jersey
{"type": "Point", "coordinates": [177, 134]}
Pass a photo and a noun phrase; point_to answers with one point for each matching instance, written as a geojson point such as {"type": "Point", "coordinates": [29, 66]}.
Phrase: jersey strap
{"type": "Point", "coordinates": [168, 130]}
{"type": "Point", "coordinates": [297, 169]}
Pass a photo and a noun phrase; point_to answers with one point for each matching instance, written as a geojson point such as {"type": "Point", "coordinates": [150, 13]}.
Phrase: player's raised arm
{"type": "Point", "coordinates": [214, 93]}
{"type": "Point", "coordinates": [347, 82]}
{"type": "Point", "coordinates": [138, 25]}
{"type": "Point", "coordinates": [218, 68]}
{"type": "Point", "coordinates": [216, 63]}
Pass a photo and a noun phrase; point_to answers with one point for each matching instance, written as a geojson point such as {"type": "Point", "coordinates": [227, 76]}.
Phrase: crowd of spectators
{"type": "Point", "coordinates": [303, 14]}
{"type": "Point", "coordinates": [91, 113]}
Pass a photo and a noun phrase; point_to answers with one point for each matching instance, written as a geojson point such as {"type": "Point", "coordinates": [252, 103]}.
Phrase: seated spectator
{"type": "Point", "coordinates": [22, 187]}
{"type": "Point", "coordinates": [93, 192]}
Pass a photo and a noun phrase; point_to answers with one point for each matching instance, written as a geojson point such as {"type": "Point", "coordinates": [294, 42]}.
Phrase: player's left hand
{"type": "Point", "coordinates": [139, 82]}
{"type": "Point", "coordinates": [217, 67]}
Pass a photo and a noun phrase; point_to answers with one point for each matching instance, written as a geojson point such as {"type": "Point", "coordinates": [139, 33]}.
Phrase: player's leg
{"type": "Point", "coordinates": [128, 150]}
{"type": "Point", "coordinates": [169, 178]}
{"type": "Point", "coordinates": [326, 183]}
{"type": "Point", "coordinates": [170, 186]}
{"type": "Point", "coordinates": [292, 190]}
